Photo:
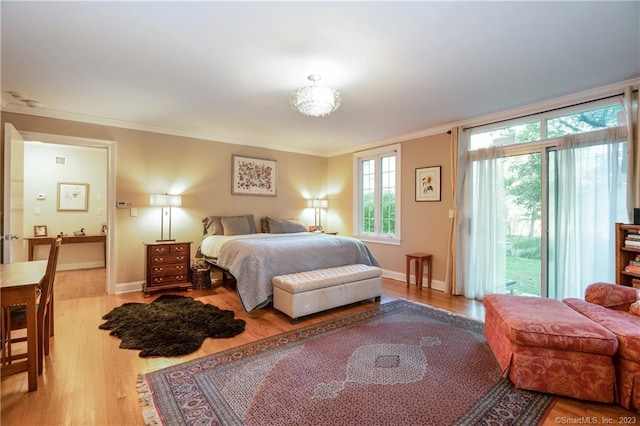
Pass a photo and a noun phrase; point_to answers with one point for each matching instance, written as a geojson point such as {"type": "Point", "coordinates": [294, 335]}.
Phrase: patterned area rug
{"type": "Point", "coordinates": [398, 363]}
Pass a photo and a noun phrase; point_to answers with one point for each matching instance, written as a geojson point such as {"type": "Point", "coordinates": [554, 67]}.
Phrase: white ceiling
{"type": "Point", "coordinates": [224, 70]}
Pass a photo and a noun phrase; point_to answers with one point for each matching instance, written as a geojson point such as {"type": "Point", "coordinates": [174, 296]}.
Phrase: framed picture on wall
{"type": "Point", "coordinates": [428, 183]}
{"type": "Point", "coordinates": [73, 196]}
{"type": "Point", "coordinates": [253, 176]}
{"type": "Point", "coordinates": [40, 230]}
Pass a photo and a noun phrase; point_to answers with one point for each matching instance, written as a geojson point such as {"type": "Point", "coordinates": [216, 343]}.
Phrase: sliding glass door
{"type": "Point", "coordinates": [540, 213]}
{"type": "Point", "coordinates": [523, 196]}
{"type": "Point", "coordinates": [586, 197]}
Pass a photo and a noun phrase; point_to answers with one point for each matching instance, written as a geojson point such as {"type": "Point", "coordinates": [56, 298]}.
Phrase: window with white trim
{"type": "Point", "coordinates": [377, 194]}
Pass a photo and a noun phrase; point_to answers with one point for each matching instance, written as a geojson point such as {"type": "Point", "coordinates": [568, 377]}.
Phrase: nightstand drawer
{"type": "Point", "coordinates": [168, 279]}
{"type": "Point", "coordinates": [169, 269]}
{"type": "Point", "coordinates": [180, 248]}
{"type": "Point", "coordinates": [169, 248]}
{"type": "Point", "coordinates": [164, 259]}
{"type": "Point", "coordinates": [159, 249]}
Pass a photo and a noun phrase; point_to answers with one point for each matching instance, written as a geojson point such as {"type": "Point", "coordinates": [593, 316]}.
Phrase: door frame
{"type": "Point", "coordinates": [110, 146]}
{"type": "Point", "coordinates": [12, 226]}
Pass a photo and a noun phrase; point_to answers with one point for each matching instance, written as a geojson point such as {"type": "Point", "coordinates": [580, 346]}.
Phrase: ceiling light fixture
{"type": "Point", "coordinates": [314, 100]}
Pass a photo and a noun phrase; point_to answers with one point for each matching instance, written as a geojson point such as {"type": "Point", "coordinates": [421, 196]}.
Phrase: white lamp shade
{"type": "Point", "coordinates": [165, 200]}
{"type": "Point", "coordinates": [318, 204]}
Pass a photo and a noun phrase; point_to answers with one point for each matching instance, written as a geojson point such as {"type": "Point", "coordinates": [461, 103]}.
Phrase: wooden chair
{"type": "Point", "coordinates": [15, 317]}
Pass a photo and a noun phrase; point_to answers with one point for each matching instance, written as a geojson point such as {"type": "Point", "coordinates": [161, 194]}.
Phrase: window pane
{"type": "Point", "coordinates": [388, 199]}
{"type": "Point", "coordinates": [585, 121]}
{"type": "Point", "coordinates": [512, 135]}
{"type": "Point", "coordinates": [367, 196]}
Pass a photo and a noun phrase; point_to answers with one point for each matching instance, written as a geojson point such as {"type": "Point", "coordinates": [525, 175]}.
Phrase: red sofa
{"type": "Point", "coordinates": [608, 305]}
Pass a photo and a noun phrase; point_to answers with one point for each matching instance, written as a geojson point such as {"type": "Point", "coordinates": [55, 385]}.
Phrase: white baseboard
{"type": "Point", "coordinates": [81, 265]}
{"type": "Point", "coordinates": [129, 287]}
{"type": "Point", "coordinates": [400, 276]}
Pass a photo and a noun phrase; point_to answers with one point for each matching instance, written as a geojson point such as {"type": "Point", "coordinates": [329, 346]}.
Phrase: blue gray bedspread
{"type": "Point", "coordinates": [254, 262]}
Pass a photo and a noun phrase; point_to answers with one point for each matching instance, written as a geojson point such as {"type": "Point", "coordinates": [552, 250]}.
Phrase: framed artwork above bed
{"type": "Point", "coordinates": [253, 176]}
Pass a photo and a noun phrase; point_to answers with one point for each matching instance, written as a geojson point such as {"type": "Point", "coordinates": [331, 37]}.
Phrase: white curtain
{"type": "Point", "coordinates": [451, 280]}
{"type": "Point", "coordinates": [485, 248]}
{"type": "Point", "coordinates": [591, 198]}
{"type": "Point", "coordinates": [632, 113]}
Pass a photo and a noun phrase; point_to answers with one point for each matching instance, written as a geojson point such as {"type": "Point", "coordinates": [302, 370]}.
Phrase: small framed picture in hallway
{"type": "Point", "coordinates": [73, 196]}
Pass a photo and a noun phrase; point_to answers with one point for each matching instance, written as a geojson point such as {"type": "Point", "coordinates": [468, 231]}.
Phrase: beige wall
{"type": "Point", "coordinates": [425, 225]}
{"type": "Point", "coordinates": [201, 170]}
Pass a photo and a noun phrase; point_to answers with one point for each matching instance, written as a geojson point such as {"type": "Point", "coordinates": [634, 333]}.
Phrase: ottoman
{"type": "Point", "coordinates": [544, 345]}
{"type": "Point", "coordinates": [308, 292]}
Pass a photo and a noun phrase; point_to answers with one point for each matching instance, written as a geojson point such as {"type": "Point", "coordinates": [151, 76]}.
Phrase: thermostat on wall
{"type": "Point", "coordinates": [124, 204]}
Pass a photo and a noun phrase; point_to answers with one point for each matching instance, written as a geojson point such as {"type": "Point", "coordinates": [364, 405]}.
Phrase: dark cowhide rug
{"type": "Point", "coordinates": [170, 325]}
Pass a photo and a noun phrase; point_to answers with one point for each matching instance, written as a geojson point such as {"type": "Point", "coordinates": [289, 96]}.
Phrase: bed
{"type": "Point", "coordinates": [255, 258]}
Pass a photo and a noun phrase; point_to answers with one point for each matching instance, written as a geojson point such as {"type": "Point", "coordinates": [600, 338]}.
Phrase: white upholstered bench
{"type": "Point", "coordinates": [308, 292]}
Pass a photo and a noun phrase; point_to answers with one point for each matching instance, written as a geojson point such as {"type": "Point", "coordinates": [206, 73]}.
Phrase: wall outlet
{"type": "Point", "coordinates": [133, 212]}
{"type": "Point", "coordinates": [452, 214]}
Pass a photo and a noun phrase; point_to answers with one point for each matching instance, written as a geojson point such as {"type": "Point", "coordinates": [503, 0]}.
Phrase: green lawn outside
{"type": "Point", "coordinates": [526, 274]}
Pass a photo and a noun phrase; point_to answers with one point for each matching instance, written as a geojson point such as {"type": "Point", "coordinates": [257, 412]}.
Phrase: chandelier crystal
{"type": "Point", "coordinates": [314, 100]}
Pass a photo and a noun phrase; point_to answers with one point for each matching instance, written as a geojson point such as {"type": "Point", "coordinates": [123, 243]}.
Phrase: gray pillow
{"type": "Point", "coordinates": [212, 225]}
{"type": "Point", "coordinates": [252, 224]}
{"type": "Point", "coordinates": [284, 226]}
{"type": "Point", "coordinates": [235, 225]}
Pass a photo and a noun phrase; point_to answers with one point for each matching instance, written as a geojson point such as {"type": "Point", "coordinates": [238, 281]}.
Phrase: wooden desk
{"type": "Point", "coordinates": [18, 285]}
{"type": "Point", "coordinates": [69, 239]}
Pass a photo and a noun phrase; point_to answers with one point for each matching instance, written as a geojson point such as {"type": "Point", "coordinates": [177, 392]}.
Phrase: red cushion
{"type": "Point", "coordinates": [548, 323]}
{"type": "Point", "coordinates": [624, 325]}
{"type": "Point", "coordinates": [610, 295]}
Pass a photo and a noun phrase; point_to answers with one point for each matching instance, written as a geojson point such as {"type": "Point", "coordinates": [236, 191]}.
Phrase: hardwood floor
{"type": "Point", "coordinates": [88, 380]}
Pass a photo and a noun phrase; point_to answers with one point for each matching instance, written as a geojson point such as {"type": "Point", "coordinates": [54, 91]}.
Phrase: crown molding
{"type": "Point", "coordinates": [4, 101]}
{"type": "Point", "coordinates": [89, 119]}
{"type": "Point", "coordinates": [550, 104]}
{"type": "Point", "coordinates": [560, 102]}
{"type": "Point", "coordinates": [563, 101]}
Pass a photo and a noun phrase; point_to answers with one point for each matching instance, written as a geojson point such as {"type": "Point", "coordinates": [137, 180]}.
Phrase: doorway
{"type": "Point", "coordinates": [107, 215]}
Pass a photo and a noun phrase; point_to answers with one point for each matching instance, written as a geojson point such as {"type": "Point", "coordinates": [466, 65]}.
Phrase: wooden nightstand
{"type": "Point", "coordinates": [167, 265]}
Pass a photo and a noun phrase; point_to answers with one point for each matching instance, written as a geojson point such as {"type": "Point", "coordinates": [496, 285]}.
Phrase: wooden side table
{"type": "Point", "coordinates": [419, 261]}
